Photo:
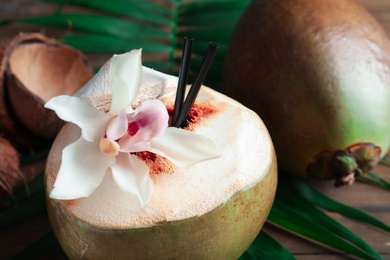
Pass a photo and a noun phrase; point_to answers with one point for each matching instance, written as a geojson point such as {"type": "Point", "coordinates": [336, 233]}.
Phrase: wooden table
{"type": "Point", "coordinates": [367, 198]}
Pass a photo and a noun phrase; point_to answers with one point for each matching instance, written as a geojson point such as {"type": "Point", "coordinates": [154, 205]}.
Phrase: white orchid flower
{"type": "Point", "coordinates": [109, 140]}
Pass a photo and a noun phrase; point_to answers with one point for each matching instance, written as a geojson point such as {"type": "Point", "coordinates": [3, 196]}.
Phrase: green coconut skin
{"type": "Point", "coordinates": [223, 233]}
{"type": "Point", "coordinates": [318, 74]}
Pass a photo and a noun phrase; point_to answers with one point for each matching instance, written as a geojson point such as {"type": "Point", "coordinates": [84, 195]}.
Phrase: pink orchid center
{"type": "Point", "coordinates": [133, 128]}
{"type": "Point", "coordinates": [132, 132]}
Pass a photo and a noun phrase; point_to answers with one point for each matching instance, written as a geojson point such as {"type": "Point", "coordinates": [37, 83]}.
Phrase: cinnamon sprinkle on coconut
{"type": "Point", "coordinates": [156, 163]}
{"type": "Point", "coordinates": [197, 113]}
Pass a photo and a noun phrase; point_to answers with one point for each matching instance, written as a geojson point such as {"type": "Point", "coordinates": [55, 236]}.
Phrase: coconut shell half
{"type": "Point", "coordinates": [33, 70]}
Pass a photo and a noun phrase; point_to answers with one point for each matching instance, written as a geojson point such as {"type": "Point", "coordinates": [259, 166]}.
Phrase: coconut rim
{"type": "Point", "coordinates": [261, 175]}
{"type": "Point", "coordinates": [166, 92]}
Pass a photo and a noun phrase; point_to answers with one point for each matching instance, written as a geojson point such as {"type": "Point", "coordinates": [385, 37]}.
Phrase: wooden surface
{"type": "Point", "coordinates": [367, 198]}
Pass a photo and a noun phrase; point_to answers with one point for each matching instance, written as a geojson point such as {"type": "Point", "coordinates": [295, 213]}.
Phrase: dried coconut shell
{"type": "Point", "coordinates": [33, 70]}
{"type": "Point", "coordinates": [10, 175]}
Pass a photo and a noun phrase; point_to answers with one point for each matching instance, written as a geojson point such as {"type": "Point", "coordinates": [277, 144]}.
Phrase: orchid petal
{"type": "Point", "coordinates": [157, 115]}
{"type": "Point", "coordinates": [133, 148]}
{"type": "Point", "coordinates": [184, 148]}
{"type": "Point", "coordinates": [80, 112]}
{"type": "Point", "coordinates": [126, 80]}
{"type": "Point", "coordinates": [131, 174]}
{"type": "Point", "coordinates": [83, 168]}
{"type": "Point", "coordinates": [149, 121]}
{"type": "Point", "coordinates": [117, 127]}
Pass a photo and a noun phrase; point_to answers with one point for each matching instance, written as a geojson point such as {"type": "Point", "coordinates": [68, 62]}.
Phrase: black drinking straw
{"type": "Point", "coordinates": [195, 87]}
{"type": "Point", "coordinates": [182, 82]}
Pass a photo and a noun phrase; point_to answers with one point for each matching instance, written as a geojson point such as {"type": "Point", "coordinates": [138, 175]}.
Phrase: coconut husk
{"type": "Point", "coordinates": [34, 69]}
{"type": "Point", "coordinates": [10, 175]}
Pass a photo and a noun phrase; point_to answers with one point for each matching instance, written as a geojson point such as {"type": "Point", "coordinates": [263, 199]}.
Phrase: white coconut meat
{"type": "Point", "coordinates": [243, 140]}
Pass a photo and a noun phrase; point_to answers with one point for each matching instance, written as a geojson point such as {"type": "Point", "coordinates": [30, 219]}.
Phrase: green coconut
{"type": "Point", "coordinates": [318, 74]}
{"type": "Point", "coordinates": [212, 210]}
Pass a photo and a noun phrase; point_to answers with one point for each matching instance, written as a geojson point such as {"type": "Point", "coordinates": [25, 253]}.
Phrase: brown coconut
{"type": "Point", "coordinates": [33, 70]}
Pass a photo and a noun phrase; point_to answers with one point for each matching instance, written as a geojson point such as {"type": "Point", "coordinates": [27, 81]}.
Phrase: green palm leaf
{"type": "Point", "coordinates": [265, 247]}
{"type": "Point", "coordinates": [222, 19]}
{"type": "Point", "coordinates": [309, 212]}
{"type": "Point", "coordinates": [316, 198]}
{"type": "Point", "coordinates": [211, 6]}
{"type": "Point", "coordinates": [375, 180]}
{"type": "Point", "coordinates": [139, 10]}
{"type": "Point", "coordinates": [306, 225]}
{"type": "Point", "coordinates": [100, 24]}
{"type": "Point", "coordinates": [103, 44]}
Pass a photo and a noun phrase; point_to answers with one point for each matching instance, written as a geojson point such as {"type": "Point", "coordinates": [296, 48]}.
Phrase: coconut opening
{"type": "Point", "coordinates": [247, 154]}
{"type": "Point", "coordinates": [37, 66]}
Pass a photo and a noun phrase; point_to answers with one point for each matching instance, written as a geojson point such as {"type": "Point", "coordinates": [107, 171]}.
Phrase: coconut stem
{"type": "Point", "coordinates": [345, 165]}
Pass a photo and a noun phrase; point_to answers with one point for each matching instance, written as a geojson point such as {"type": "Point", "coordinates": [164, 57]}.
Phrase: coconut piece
{"type": "Point", "coordinates": [10, 175]}
{"type": "Point", "coordinates": [34, 69]}
{"type": "Point", "coordinates": [10, 127]}
{"type": "Point", "coordinates": [213, 210]}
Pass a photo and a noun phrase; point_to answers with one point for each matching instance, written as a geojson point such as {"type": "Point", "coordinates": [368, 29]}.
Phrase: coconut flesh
{"type": "Point", "coordinates": [212, 210]}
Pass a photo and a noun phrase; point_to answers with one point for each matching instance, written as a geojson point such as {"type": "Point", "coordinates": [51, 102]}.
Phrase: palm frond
{"type": "Point", "coordinates": [375, 180]}
{"type": "Point", "coordinates": [103, 44]}
{"type": "Point", "coordinates": [100, 24]}
{"type": "Point", "coordinates": [265, 247]}
{"type": "Point", "coordinates": [142, 11]}
{"type": "Point", "coordinates": [316, 198]}
{"type": "Point", "coordinates": [309, 212]}
{"type": "Point", "coordinates": [306, 225]}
